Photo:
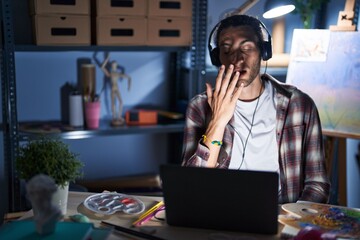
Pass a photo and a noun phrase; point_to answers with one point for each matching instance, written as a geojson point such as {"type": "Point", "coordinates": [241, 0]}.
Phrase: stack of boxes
{"type": "Point", "coordinates": [116, 22]}
{"type": "Point", "coordinates": [61, 22]}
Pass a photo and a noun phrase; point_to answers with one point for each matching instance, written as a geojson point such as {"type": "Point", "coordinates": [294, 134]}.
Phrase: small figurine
{"type": "Point", "coordinates": [40, 190]}
{"type": "Point", "coordinates": [115, 73]}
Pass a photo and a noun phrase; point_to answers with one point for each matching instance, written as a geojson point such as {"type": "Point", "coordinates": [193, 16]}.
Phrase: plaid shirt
{"type": "Point", "coordinates": [299, 137]}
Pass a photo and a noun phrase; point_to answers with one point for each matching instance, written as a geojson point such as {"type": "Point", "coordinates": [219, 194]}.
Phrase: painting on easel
{"type": "Point", "coordinates": [326, 65]}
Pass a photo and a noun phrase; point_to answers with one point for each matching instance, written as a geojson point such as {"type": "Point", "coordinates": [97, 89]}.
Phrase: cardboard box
{"type": "Point", "coordinates": [79, 7]}
{"type": "Point", "coordinates": [170, 8]}
{"type": "Point", "coordinates": [121, 7]}
{"type": "Point", "coordinates": [164, 31]}
{"type": "Point", "coordinates": [121, 30]}
{"type": "Point", "coordinates": [141, 117]}
{"type": "Point", "coordinates": [62, 29]}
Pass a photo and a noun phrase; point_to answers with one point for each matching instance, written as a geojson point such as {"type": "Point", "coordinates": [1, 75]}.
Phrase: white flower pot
{"type": "Point", "coordinates": [60, 198]}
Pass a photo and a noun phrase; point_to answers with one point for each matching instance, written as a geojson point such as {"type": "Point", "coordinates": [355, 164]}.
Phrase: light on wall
{"type": "Point", "coordinates": [277, 9]}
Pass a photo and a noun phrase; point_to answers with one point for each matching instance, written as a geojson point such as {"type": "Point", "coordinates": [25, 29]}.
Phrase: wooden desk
{"type": "Point", "coordinates": [160, 228]}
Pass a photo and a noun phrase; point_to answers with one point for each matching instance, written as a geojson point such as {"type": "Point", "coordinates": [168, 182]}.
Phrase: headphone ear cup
{"type": "Point", "coordinates": [267, 51]}
{"type": "Point", "coordinates": [214, 56]}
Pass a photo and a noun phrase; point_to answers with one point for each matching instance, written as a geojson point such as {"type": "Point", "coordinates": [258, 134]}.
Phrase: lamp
{"type": "Point", "coordinates": [276, 9]}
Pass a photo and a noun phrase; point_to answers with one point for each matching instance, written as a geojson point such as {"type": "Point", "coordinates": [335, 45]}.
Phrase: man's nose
{"type": "Point", "coordinates": [238, 56]}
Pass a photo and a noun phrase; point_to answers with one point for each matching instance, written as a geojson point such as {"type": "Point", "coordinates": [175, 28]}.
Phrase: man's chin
{"type": "Point", "coordinates": [240, 81]}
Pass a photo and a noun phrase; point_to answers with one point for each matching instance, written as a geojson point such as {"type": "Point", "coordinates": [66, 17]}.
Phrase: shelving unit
{"type": "Point", "coordinates": [106, 130]}
{"type": "Point", "coordinates": [11, 44]}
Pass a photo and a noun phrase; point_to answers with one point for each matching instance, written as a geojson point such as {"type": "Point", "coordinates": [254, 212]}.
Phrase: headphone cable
{"type": "Point", "coordinates": [250, 130]}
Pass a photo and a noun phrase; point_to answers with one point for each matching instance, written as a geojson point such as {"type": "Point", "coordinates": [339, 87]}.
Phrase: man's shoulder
{"type": "Point", "coordinates": [199, 98]}
{"type": "Point", "coordinates": [291, 91]}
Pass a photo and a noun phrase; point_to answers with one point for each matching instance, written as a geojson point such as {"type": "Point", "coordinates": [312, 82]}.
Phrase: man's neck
{"type": "Point", "coordinates": [253, 91]}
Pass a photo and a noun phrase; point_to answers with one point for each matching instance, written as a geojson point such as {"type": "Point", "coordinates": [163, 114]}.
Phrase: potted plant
{"type": "Point", "coordinates": [306, 10]}
{"type": "Point", "coordinates": [52, 157]}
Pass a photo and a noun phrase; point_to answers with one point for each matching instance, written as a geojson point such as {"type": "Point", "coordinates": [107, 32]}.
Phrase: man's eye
{"type": "Point", "coordinates": [225, 47]}
{"type": "Point", "coordinates": [247, 49]}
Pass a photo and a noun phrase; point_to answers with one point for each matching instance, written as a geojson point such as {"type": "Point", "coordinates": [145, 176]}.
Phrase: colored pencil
{"type": "Point", "coordinates": [148, 214]}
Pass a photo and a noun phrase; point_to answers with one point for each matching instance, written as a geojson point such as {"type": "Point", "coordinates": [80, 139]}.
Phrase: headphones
{"type": "Point", "coordinates": [266, 48]}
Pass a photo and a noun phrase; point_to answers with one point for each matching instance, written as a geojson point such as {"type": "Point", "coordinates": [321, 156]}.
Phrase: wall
{"type": "Point", "coordinates": [40, 77]}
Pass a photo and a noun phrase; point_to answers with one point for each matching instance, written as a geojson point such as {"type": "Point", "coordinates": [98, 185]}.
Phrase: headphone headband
{"type": "Point", "coordinates": [266, 47]}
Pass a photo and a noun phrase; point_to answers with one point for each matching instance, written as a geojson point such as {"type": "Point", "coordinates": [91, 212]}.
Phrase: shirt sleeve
{"type": "Point", "coordinates": [316, 182]}
{"type": "Point", "coordinates": [194, 152]}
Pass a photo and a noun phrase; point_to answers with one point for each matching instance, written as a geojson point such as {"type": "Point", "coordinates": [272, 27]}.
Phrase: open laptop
{"type": "Point", "coordinates": [222, 199]}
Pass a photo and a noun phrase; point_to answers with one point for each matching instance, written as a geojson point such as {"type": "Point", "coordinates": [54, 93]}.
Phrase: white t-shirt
{"type": "Point", "coordinates": [261, 150]}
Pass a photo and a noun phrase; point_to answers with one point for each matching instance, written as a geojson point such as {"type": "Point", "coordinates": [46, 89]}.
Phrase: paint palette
{"type": "Point", "coordinates": [340, 221]}
{"type": "Point", "coordinates": [109, 203]}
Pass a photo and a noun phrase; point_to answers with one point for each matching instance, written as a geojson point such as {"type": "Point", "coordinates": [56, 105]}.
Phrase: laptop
{"type": "Point", "coordinates": [221, 199]}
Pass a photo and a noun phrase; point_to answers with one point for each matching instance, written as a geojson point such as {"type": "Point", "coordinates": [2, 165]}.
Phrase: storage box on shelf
{"type": "Point", "coordinates": [170, 8]}
{"type": "Point", "coordinates": [62, 29]}
{"type": "Point", "coordinates": [61, 23]}
{"type": "Point", "coordinates": [121, 22]}
{"type": "Point", "coordinates": [121, 30]}
{"type": "Point", "coordinates": [80, 7]}
{"type": "Point", "coordinates": [169, 23]}
{"type": "Point", "coordinates": [119, 8]}
{"type": "Point", "coordinates": [169, 31]}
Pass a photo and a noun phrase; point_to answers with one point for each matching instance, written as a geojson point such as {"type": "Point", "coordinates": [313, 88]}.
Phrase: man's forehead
{"type": "Point", "coordinates": [238, 31]}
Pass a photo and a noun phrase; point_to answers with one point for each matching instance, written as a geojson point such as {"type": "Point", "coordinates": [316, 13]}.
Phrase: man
{"type": "Point", "coordinates": [251, 121]}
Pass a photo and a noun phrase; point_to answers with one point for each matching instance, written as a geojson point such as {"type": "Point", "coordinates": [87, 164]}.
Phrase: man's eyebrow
{"type": "Point", "coordinates": [224, 39]}
{"type": "Point", "coordinates": [241, 43]}
{"type": "Point", "coordinates": [245, 41]}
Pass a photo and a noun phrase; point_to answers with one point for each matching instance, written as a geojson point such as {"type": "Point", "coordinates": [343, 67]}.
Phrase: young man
{"type": "Point", "coordinates": [251, 121]}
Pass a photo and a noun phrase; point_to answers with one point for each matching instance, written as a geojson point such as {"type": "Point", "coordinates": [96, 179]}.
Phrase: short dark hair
{"type": "Point", "coordinates": [242, 20]}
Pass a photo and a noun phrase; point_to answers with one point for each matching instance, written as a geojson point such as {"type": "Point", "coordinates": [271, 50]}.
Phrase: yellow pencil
{"type": "Point", "coordinates": [152, 209]}
{"type": "Point", "coordinates": [148, 212]}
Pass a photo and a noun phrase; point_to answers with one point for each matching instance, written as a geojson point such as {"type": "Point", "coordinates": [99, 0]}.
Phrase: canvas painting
{"type": "Point", "coordinates": [326, 65]}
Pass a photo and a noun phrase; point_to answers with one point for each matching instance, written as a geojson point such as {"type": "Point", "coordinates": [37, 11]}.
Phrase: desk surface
{"type": "Point", "coordinates": [160, 228]}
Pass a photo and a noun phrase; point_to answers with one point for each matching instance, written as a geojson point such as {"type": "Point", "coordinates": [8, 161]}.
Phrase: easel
{"type": "Point", "coordinates": [346, 18]}
{"type": "Point", "coordinates": [335, 157]}
{"type": "Point", "coordinates": [335, 144]}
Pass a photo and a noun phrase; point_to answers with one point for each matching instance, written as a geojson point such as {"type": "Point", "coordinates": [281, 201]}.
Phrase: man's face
{"type": "Point", "coordinates": [238, 47]}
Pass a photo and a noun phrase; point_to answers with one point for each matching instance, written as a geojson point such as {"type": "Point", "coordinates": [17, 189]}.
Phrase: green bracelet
{"type": "Point", "coordinates": [215, 142]}
{"type": "Point", "coordinates": [218, 143]}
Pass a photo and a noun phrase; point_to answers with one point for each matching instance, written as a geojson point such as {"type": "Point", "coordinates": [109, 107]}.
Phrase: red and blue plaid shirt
{"type": "Point", "coordinates": [299, 137]}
